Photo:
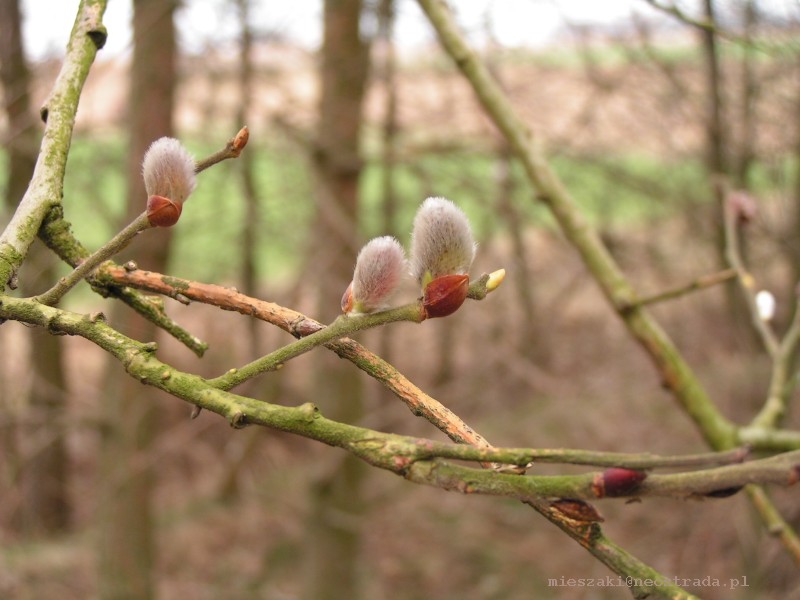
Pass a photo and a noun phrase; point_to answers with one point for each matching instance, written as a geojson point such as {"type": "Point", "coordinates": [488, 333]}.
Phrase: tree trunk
{"type": "Point", "coordinates": [126, 544]}
{"type": "Point", "coordinates": [337, 502]}
{"type": "Point", "coordinates": [718, 166]}
{"type": "Point", "coordinates": [45, 505]}
{"type": "Point", "coordinates": [390, 127]}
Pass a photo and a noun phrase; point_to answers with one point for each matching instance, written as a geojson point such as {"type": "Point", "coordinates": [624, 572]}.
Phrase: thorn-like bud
{"type": "Point", "coordinates": [444, 295]}
{"type": "Point", "coordinates": [616, 481]}
{"type": "Point", "coordinates": [379, 269]}
{"type": "Point", "coordinates": [169, 178]}
{"type": "Point", "coordinates": [441, 241]}
{"type": "Point", "coordinates": [495, 279]}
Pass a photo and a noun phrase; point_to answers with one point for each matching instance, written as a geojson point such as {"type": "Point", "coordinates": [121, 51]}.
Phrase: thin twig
{"type": "Point", "coordinates": [776, 525]}
{"type": "Point", "coordinates": [152, 309]}
{"type": "Point", "coordinates": [700, 283]}
{"type": "Point", "coordinates": [115, 245]}
{"type": "Point", "coordinates": [232, 149]}
{"type": "Point", "coordinates": [769, 440]}
{"type": "Point", "coordinates": [673, 10]}
{"type": "Point", "coordinates": [747, 283]}
{"type": "Point", "coordinates": [341, 327]}
{"type": "Point", "coordinates": [783, 377]}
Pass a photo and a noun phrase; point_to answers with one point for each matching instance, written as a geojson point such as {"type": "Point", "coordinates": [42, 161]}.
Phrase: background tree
{"type": "Point", "coordinates": [337, 496]}
{"type": "Point", "coordinates": [126, 544]}
{"type": "Point", "coordinates": [42, 465]}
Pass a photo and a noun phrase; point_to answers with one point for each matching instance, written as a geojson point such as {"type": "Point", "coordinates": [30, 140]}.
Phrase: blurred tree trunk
{"type": "Point", "coordinates": [126, 544]}
{"type": "Point", "coordinates": [718, 163]}
{"type": "Point", "coordinates": [389, 131]}
{"type": "Point", "coordinates": [243, 446]}
{"type": "Point", "coordinates": [337, 504]}
{"type": "Point", "coordinates": [794, 245]}
{"type": "Point", "coordinates": [715, 138]}
{"type": "Point", "coordinates": [45, 505]}
{"type": "Point", "coordinates": [530, 334]}
{"type": "Point", "coordinates": [749, 89]}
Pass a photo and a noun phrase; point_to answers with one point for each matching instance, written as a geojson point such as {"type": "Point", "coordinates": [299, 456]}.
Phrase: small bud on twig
{"type": "Point", "coordinates": [378, 271]}
{"type": "Point", "coordinates": [576, 510]}
{"type": "Point", "coordinates": [240, 141]}
{"type": "Point", "coordinates": [444, 295]}
{"type": "Point", "coordinates": [495, 279]}
{"type": "Point", "coordinates": [169, 178]}
{"type": "Point", "coordinates": [616, 481]}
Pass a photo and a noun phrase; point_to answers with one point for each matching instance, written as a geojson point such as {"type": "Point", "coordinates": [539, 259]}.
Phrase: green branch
{"type": "Point", "coordinates": [46, 186]}
{"type": "Point", "coordinates": [408, 456]}
{"type": "Point", "coordinates": [399, 453]}
{"type": "Point", "coordinates": [115, 245]}
{"type": "Point", "coordinates": [695, 285]}
{"type": "Point", "coordinates": [341, 327]}
{"type": "Point", "coordinates": [676, 373]}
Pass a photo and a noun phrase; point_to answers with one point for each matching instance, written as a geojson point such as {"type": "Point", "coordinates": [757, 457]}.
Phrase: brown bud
{"type": "Point", "coordinates": [162, 212]}
{"type": "Point", "coordinates": [616, 481]}
{"type": "Point", "coordinates": [444, 295]}
{"type": "Point", "coordinates": [240, 140]}
{"type": "Point", "coordinates": [576, 510]}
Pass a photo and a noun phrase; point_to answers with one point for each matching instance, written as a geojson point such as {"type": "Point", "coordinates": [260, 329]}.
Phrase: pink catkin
{"type": "Point", "coordinates": [379, 270]}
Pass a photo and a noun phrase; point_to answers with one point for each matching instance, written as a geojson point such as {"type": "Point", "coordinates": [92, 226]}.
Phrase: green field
{"type": "Point", "coordinates": [618, 191]}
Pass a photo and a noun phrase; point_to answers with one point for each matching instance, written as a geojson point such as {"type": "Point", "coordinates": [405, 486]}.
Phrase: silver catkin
{"type": "Point", "coordinates": [441, 241]}
{"type": "Point", "coordinates": [168, 170]}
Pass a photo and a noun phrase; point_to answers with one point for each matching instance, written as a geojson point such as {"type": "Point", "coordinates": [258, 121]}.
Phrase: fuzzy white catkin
{"type": "Point", "coordinates": [441, 241]}
{"type": "Point", "coordinates": [168, 170]}
{"type": "Point", "coordinates": [379, 269]}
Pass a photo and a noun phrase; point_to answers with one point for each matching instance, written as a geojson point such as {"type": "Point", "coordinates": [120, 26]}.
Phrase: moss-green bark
{"type": "Point", "coordinates": [46, 186]}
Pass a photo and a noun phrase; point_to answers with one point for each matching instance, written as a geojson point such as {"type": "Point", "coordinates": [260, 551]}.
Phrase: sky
{"type": "Point", "coordinates": [531, 23]}
{"type": "Point", "coordinates": [516, 22]}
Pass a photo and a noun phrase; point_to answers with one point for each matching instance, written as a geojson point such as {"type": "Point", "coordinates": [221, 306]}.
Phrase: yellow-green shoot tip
{"type": "Point", "coordinates": [495, 279]}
